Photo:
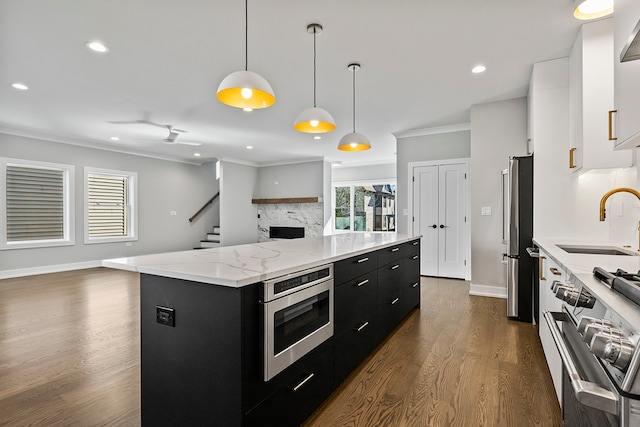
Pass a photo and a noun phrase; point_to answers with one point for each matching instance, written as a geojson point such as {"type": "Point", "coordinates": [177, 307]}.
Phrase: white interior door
{"type": "Point", "coordinates": [451, 195]}
{"type": "Point", "coordinates": [425, 217]}
{"type": "Point", "coordinates": [439, 215]}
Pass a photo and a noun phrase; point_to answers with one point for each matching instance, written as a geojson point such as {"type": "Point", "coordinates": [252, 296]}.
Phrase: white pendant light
{"type": "Point", "coordinates": [246, 89]}
{"type": "Point", "coordinates": [314, 119]}
{"type": "Point", "coordinates": [354, 141]}
{"type": "Point", "coordinates": [592, 9]}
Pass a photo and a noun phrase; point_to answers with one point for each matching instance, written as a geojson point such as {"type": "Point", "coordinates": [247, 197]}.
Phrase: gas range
{"type": "Point", "coordinates": [606, 313]}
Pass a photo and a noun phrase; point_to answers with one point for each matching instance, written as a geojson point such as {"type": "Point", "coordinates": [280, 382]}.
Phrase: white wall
{"type": "Point", "coordinates": [163, 187]}
{"type": "Point", "coordinates": [293, 180]}
{"type": "Point", "coordinates": [440, 146]}
{"type": "Point", "coordinates": [366, 172]}
{"type": "Point", "coordinates": [498, 130]}
{"type": "Point", "coordinates": [238, 216]}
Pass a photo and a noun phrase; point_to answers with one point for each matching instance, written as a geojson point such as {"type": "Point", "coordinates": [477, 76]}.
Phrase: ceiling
{"type": "Point", "coordinates": [167, 58]}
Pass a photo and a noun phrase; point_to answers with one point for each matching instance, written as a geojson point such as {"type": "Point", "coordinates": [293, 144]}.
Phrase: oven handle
{"type": "Point", "coordinates": [587, 393]}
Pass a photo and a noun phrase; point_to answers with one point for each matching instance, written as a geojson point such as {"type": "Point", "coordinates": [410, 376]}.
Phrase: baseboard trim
{"type": "Point", "coordinates": [488, 291]}
{"type": "Point", "coordinates": [32, 271]}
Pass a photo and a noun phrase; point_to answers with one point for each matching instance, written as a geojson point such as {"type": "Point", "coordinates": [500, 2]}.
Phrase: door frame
{"type": "Point", "coordinates": [410, 175]}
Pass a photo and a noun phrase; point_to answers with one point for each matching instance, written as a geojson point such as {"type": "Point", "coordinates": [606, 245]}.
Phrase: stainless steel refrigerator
{"type": "Point", "coordinates": [520, 235]}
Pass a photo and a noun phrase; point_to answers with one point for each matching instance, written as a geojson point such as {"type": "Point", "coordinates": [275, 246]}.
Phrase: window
{"type": "Point", "coordinates": [36, 204]}
{"type": "Point", "coordinates": [110, 207]}
{"type": "Point", "coordinates": [365, 207]}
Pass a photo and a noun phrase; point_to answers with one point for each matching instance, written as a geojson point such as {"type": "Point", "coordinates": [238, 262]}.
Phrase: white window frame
{"type": "Point", "coordinates": [68, 238]}
{"type": "Point", "coordinates": [132, 202]}
{"type": "Point", "coordinates": [351, 185]}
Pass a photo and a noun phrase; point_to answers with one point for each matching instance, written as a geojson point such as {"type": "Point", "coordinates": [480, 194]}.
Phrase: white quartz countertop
{"type": "Point", "coordinates": [241, 265]}
{"type": "Point", "coordinates": [584, 263]}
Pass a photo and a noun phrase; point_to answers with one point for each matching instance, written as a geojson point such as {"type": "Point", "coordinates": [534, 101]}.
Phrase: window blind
{"type": "Point", "coordinates": [107, 205]}
{"type": "Point", "coordinates": [34, 203]}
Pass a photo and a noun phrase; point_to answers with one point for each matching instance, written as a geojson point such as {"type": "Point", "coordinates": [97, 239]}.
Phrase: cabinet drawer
{"type": "Point", "coordinates": [355, 302]}
{"type": "Point", "coordinates": [292, 403]}
{"type": "Point", "coordinates": [350, 268]}
{"type": "Point", "coordinates": [411, 296]}
{"type": "Point", "coordinates": [353, 346]}
{"type": "Point", "coordinates": [390, 280]}
{"type": "Point", "coordinates": [412, 247]}
{"type": "Point", "coordinates": [390, 254]}
{"type": "Point", "coordinates": [390, 313]}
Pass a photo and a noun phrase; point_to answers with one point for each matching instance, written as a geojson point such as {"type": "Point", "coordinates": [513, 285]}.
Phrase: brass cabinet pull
{"type": "Point", "coordinates": [364, 282]}
{"type": "Point", "coordinates": [414, 285]}
{"type": "Point", "coordinates": [611, 137]}
{"type": "Point", "coordinates": [572, 163]}
{"type": "Point", "coordinates": [395, 266]}
{"type": "Point", "coordinates": [361, 327]}
{"type": "Point", "coordinates": [542, 258]}
{"type": "Point", "coordinates": [555, 271]}
{"type": "Point", "coordinates": [304, 381]}
{"type": "Point", "coordinates": [395, 249]}
{"type": "Point", "coordinates": [395, 301]}
{"type": "Point", "coordinates": [362, 260]}
{"type": "Point", "coordinates": [415, 243]}
{"type": "Point", "coordinates": [415, 257]}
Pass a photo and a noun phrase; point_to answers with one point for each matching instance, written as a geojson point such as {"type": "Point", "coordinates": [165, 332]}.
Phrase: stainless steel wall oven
{"type": "Point", "coordinates": [297, 316]}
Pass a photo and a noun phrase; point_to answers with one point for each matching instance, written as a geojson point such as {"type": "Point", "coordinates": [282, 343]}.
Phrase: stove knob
{"type": "Point", "coordinates": [615, 349]}
{"type": "Point", "coordinates": [593, 328]}
{"type": "Point", "coordinates": [587, 320]}
{"type": "Point", "coordinates": [557, 283]}
{"type": "Point", "coordinates": [564, 292]}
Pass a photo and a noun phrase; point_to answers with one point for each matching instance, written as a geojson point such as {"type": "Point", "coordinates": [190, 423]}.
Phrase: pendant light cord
{"type": "Point", "coordinates": [314, 67]}
{"type": "Point", "coordinates": [354, 100]}
{"type": "Point", "coordinates": [246, 35]}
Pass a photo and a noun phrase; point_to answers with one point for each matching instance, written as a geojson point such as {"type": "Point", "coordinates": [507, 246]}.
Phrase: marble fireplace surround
{"type": "Point", "coordinates": [303, 212]}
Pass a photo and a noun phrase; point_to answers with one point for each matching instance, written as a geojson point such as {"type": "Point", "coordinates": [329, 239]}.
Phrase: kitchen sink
{"type": "Point", "coordinates": [596, 250]}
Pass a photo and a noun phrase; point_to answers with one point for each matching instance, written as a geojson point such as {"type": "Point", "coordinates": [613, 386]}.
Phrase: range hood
{"type": "Point", "coordinates": [631, 50]}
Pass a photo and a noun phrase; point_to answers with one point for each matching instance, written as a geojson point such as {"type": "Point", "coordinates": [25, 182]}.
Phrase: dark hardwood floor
{"type": "Point", "coordinates": [69, 356]}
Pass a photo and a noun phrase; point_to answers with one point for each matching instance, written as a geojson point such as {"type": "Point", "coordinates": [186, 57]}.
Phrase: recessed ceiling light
{"type": "Point", "coordinates": [592, 9]}
{"type": "Point", "coordinates": [97, 46]}
{"type": "Point", "coordinates": [20, 86]}
{"type": "Point", "coordinates": [249, 147]}
{"type": "Point", "coordinates": [478, 69]}
{"type": "Point", "coordinates": [114, 138]}
{"type": "Point", "coordinates": [317, 137]}
{"type": "Point", "coordinates": [196, 154]}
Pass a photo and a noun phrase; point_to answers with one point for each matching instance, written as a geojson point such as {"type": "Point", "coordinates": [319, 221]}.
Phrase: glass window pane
{"type": "Point", "coordinates": [374, 207]}
{"type": "Point", "coordinates": [343, 208]}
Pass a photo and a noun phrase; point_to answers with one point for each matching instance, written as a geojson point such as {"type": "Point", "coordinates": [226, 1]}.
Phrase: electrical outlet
{"type": "Point", "coordinates": [486, 210]}
{"type": "Point", "coordinates": [173, 213]}
{"type": "Point", "coordinates": [165, 316]}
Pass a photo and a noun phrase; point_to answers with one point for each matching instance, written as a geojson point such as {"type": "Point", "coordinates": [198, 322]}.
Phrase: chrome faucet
{"type": "Point", "coordinates": [614, 191]}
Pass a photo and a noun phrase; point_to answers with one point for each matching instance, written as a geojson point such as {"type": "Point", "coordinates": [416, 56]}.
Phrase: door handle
{"type": "Point", "coordinates": [444, 226]}
{"type": "Point", "coordinates": [434, 226]}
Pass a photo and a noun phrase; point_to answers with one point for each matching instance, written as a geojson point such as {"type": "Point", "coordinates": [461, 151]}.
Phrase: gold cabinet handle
{"type": "Point", "coordinates": [555, 271]}
{"type": "Point", "coordinates": [572, 163]}
{"type": "Point", "coordinates": [542, 258]}
{"type": "Point", "coordinates": [611, 114]}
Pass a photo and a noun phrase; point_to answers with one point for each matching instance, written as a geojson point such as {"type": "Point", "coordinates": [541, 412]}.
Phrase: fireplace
{"type": "Point", "coordinates": [286, 232]}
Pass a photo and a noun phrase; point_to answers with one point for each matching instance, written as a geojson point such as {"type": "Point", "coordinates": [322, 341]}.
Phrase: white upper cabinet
{"type": "Point", "coordinates": [591, 97]}
{"type": "Point", "coordinates": [627, 77]}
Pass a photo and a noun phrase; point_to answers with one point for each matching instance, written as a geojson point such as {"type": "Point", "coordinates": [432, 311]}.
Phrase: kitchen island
{"type": "Point", "coordinates": [203, 325]}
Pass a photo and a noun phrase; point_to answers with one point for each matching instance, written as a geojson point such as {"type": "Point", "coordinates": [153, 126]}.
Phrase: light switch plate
{"type": "Point", "coordinates": [486, 210]}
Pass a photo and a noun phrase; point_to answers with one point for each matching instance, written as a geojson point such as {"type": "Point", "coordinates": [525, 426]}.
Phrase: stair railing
{"type": "Point", "coordinates": [204, 207]}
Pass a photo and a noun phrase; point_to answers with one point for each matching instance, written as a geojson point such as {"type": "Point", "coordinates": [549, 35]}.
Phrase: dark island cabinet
{"type": "Point", "coordinates": [370, 302]}
{"type": "Point", "coordinates": [356, 322]}
{"type": "Point", "coordinates": [411, 283]}
{"type": "Point", "coordinates": [201, 345]}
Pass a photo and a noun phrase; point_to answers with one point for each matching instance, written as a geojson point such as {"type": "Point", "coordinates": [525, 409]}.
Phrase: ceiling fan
{"type": "Point", "coordinates": [172, 138]}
